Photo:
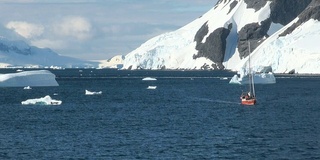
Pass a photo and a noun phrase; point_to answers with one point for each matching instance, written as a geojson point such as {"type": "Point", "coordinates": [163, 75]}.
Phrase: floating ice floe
{"type": "Point", "coordinates": [28, 87]}
{"type": "Point", "coordinates": [152, 87]}
{"type": "Point", "coordinates": [265, 76]}
{"type": "Point", "coordinates": [258, 78]}
{"type": "Point", "coordinates": [28, 78]}
{"type": "Point", "coordinates": [47, 100]}
{"type": "Point", "coordinates": [92, 93]}
{"type": "Point", "coordinates": [149, 79]}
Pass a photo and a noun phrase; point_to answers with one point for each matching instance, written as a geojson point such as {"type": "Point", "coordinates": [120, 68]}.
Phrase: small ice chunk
{"type": "Point", "coordinates": [152, 87]}
{"type": "Point", "coordinates": [92, 93]}
{"type": "Point", "coordinates": [28, 87]}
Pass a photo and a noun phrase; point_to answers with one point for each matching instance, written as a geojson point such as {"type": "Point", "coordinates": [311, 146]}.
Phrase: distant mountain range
{"type": "Point", "coordinates": [282, 34]}
{"type": "Point", "coordinates": [20, 54]}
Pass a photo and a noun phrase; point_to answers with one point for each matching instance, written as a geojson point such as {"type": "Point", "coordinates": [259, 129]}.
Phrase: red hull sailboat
{"type": "Point", "coordinates": [249, 98]}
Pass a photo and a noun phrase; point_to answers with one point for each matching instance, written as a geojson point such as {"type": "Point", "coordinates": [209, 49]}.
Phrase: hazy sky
{"type": "Point", "coordinates": [95, 29]}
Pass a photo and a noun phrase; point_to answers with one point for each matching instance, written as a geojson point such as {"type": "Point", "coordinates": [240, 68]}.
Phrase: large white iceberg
{"type": "Point", "coordinates": [47, 100]}
{"type": "Point", "coordinates": [264, 76]}
{"type": "Point", "coordinates": [28, 78]}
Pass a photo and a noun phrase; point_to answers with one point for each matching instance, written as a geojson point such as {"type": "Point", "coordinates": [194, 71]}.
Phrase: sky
{"type": "Point", "coordinates": [95, 29]}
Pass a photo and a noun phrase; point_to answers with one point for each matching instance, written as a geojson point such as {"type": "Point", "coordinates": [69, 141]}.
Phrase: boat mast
{"type": "Point", "coordinates": [251, 82]}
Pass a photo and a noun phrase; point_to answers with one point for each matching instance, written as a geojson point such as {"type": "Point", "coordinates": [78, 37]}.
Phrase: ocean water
{"type": "Point", "coordinates": [191, 115]}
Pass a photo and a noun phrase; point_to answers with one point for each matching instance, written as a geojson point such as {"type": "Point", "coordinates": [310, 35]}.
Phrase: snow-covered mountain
{"type": "Point", "coordinates": [282, 34]}
{"type": "Point", "coordinates": [20, 54]}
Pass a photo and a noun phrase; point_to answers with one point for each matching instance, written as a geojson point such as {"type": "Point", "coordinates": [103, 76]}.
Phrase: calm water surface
{"type": "Point", "coordinates": [191, 115]}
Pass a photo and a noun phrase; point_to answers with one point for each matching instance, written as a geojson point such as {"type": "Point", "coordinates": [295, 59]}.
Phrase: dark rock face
{"type": "Point", "coordinates": [311, 12]}
{"type": "Point", "coordinates": [232, 5]}
{"type": "Point", "coordinates": [293, 71]}
{"type": "Point", "coordinates": [253, 33]}
{"type": "Point", "coordinates": [203, 31]}
{"type": "Point", "coordinates": [255, 4]}
{"type": "Point", "coordinates": [214, 46]}
{"type": "Point", "coordinates": [284, 11]}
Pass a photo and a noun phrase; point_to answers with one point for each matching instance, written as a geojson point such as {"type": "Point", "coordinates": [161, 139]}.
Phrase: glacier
{"type": "Point", "coordinates": [28, 78]}
{"type": "Point", "coordinates": [298, 51]}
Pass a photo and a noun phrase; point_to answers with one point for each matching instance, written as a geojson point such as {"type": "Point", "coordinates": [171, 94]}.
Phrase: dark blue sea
{"type": "Point", "coordinates": [190, 115]}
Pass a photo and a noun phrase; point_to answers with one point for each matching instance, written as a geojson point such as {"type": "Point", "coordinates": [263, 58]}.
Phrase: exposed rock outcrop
{"type": "Point", "coordinates": [253, 33]}
{"type": "Point", "coordinates": [214, 46]}
{"type": "Point", "coordinates": [255, 4]}
{"type": "Point", "coordinates": [282, 12]}
{"type": "Point", "coordinates": [311, 12]}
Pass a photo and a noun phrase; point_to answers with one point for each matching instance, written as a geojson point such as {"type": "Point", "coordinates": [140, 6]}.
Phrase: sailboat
{"type": "Point", "coordinates": [249, 97]}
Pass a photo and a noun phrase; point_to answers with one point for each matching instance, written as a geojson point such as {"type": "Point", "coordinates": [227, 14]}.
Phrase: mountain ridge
{"type": "Point", "coordinates": [20, 54]}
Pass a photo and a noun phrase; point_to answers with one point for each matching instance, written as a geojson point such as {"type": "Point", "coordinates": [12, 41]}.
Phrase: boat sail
{"type": "Point", "coordinates": [249, 98]}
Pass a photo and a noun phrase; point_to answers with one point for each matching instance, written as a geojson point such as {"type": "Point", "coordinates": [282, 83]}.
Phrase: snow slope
{"type": "Point", "coordinates": [180, 49]}
{"type": "Point", "coordinates": [173, 50]}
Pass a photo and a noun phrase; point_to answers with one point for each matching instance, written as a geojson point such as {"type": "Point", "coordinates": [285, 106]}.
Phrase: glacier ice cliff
{"type": "Point", "coordinates": [28, 78]}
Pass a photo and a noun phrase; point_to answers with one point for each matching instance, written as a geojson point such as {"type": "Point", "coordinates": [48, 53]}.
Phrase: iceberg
{"type": "Point", "coordinates": [149, 79]}
{"type": "Point", "coordinates": [28, 87]}
{"type": "Point", "coordinates": [28, 78]}
{"type": "Point", "coordinates": [258, 78]}
{"type": "Point", "coordinates": [47, 100]}
{"type": "Point", "coordinates": [92, 93]}
{"type": "Point", "coordinates": [152, 87]}
{"type": "Point", "coordinates": [265, 76]}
